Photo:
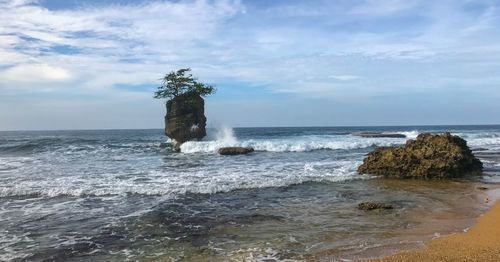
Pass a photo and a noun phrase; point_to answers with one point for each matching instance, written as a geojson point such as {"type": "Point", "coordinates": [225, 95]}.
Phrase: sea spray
{"type": "Point", "coordinates": [216, 138]}
{"type": "Point", "coordinates": [225, 137]}
{"type": "Point", "coordinates": [411, 134]}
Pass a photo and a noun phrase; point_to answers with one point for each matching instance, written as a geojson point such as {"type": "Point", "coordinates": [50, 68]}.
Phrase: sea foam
{"type": "Point", "coordinates": [225, 138]}
{"type": "Point", "coordinates": [165, 183]}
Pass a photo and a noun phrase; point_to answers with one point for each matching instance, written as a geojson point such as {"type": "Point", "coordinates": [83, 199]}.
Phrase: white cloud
{"type": "Point", "coordinates": [98, 41]}
{"type": "Point", "coordinates": [340, 50]}
{"type": "Point", "coordinates": [345, 77]}
{"type": "Point", "coordinates": [9, 57]}
{"type": "Point", "coordinates": [156, 22]}
{"type": "Point", "coordinates": [350, 39]}
{"type": "Point", "coordinates": [35, 74]}
{"type": "Point", "coordinates": [382, 7]}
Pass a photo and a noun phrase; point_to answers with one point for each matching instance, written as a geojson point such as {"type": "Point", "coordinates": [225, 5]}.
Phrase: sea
{"type": "Point", "coordinates": [124, 195]}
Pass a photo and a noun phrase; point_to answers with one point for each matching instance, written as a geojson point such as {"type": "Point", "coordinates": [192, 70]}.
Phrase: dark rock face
{"type": "Point", "coordinates": [185, 119]}
{"type": "Point", "coordinates": [367, 206]}
{"type": "Point", "coordinates": [428, 157]}
{"type": "Point", "coordinates": [235, 150]}
{"type": "Point", "coordinates": [387, 135]}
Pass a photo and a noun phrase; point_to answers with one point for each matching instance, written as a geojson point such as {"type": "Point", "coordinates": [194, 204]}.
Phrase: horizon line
{"type": "Point", "coordinates": [306, 126]}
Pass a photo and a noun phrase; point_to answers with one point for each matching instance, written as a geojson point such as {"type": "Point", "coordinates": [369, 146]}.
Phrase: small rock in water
{"type": "Point", "coordinates": [367, 206]}
{"type": "Point", "coordinates": [229, 151]}
{"type": "Point", "coordinates": [482, 188]}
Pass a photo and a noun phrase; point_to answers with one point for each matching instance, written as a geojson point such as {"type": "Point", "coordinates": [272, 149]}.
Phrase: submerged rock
{"type": "Point", "coordinates": [428, 157]}
{"type": "Point", "coordinates": [185, 119]}
{"type": "Point", "coordinates": [235, 150]}
{"type": "Point", "coordinates": [377, 134]}
{"type": "Point", "coordinates": [367, 206]}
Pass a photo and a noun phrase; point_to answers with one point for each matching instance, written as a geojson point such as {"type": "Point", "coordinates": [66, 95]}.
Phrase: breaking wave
{"type": "Point", "coordinates": [410, 134]}
{"type": "Point", "coordinates": [89, 167]}
{"type": "Point", "coordinates": [484, 139]}
{"type": "Point", "coordinates": [165, 183]}
{"type": "Point", "coordinates": [226, 138]}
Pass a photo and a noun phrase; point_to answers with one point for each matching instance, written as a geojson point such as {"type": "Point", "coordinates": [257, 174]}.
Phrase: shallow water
{"type": "Point", "coordinates": [123, 195]}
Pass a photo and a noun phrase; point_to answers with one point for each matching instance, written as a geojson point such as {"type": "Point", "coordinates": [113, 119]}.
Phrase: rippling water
{"type": "Point", "coordinates": [119, 195]}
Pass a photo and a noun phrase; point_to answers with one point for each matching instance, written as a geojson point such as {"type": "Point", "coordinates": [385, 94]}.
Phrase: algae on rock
{"type": "Point", "coordinates": [430, 156]}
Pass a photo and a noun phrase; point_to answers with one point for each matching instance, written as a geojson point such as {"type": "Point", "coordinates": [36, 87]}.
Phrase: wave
{"type": "Point", "coordinates": [173, 184]}
{"type": "Point", "coordinates": [25, 148]}
{"type": "Point", "coordinates": [281, 145]}
{"type": "Point", "coordinates": [21, 148]}
{"type": "Point", "coordinates": [12, 163]}
{"type": "Point", "coordinates": [410, 134]}
{"type": "Point", "coordinates": [489, 143]}
{"type": "Point", "coordinates": [226, 138]}
{"type": "Point", "coordinates": [479, 135]}
{"type": "Point", "coordinates": [87, 168]}
{"type": "Point", "coordinates": [482, 139]}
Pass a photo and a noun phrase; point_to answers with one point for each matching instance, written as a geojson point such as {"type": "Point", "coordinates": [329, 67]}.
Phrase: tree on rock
{"type": "Point", "coordinates": [182, 82]}
{"type": "Point", "coordinates": [185, 119]}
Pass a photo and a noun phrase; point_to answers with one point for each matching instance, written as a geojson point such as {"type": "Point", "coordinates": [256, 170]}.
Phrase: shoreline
{"type": "Point", "coordinates": [449, 219]}
{"type": "Point", "coordinates": [481, 242]}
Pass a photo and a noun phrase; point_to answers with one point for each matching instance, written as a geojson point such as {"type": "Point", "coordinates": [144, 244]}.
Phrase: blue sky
{"type": "Point", "coordinates": [94, 64]}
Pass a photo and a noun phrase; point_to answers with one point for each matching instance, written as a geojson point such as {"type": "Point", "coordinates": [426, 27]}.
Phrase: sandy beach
{"type": "Point", "coordinates": [480, 243]}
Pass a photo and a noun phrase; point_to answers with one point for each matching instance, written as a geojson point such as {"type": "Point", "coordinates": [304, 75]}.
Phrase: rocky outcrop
{"type": "Point", "coordinates": [185, 119]}
{"type": "Point", "coordinates": [377, 134]}
{"type": "Point", "coordinates": [367, 206]}
{"type": "Point", "coordinates": [229, 151]}
{"type": "Point", "coordinates": [428, 157]}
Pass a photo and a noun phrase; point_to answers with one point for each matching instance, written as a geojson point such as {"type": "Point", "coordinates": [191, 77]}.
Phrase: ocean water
{"type": "Point", "coordinates": [123, 195]}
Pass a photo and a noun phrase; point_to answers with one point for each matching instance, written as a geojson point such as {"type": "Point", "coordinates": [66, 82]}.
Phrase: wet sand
{"type": "Point", "coordinates": [480, 243]}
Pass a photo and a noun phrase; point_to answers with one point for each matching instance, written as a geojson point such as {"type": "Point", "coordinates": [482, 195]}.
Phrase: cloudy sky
{"type": "Point", "coordinates": [74, 64]}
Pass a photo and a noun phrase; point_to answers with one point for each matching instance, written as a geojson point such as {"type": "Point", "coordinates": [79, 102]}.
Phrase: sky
{"type": "Point", "coordinates": [74, 64]}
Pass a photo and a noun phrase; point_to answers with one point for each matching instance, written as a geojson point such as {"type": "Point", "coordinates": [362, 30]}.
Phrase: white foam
{"type": "Point", "coordinates": [476, 135]}
{"type": "Point", "coordinates": [488, 139]}
{"type": "Point", "coordinates": [483, 141]}
{"type": "Point", "coordinates": [175, 183]}
{"type": "Point", "coordinates": [7, 242]}
{"type": "Point", "coordinates": [226, 138]}
{"type": "Point", "coordinates": [9, 163]}
{"type": "Point", "coordinates": [77, 174]}
{"type": "Point", "coordinates": [410, 134]}
{"type": "Point", "coordinates": [291, 145]}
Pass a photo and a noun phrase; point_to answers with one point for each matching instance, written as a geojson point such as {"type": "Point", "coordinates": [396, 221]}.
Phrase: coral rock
{"type": "Point", "coordinates": [428, 157]}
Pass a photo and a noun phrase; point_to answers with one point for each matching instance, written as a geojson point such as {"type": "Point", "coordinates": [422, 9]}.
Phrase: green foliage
{"type": "Point", "coordinates": [181, 82]}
